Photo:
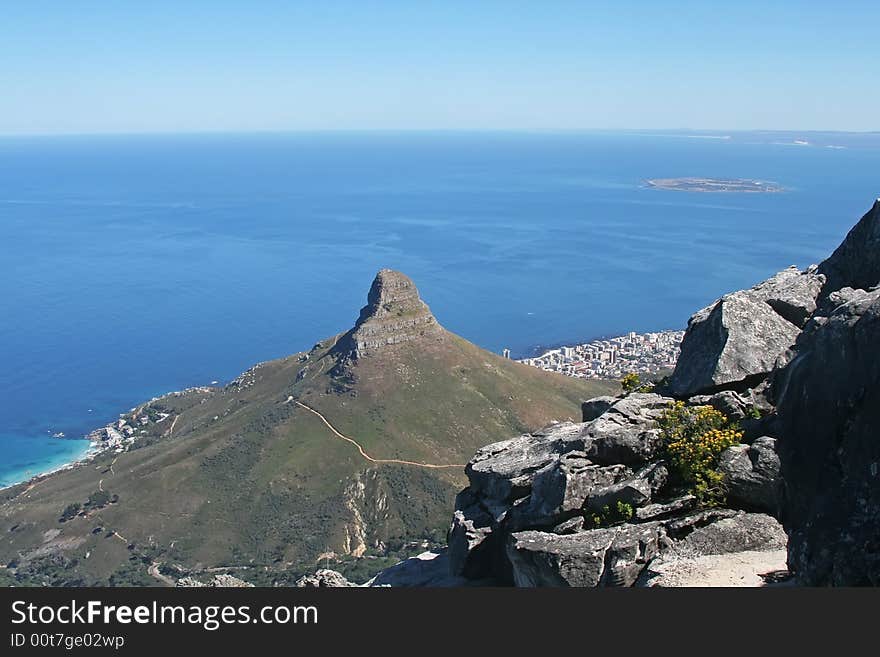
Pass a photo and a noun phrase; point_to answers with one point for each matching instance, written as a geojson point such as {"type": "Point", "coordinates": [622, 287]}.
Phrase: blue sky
{"type": "Point", "coordinates": [89, 66]}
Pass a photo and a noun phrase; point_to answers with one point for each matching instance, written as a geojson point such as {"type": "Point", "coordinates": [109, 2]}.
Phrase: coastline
{"type": "Point", "coordinates": [92, 450]}
{"type": "Point", "coordinates": [96, 445]}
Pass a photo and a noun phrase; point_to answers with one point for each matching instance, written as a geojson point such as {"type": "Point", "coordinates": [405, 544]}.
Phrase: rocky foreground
{"type": "Point", "coordinates": [793, 362]}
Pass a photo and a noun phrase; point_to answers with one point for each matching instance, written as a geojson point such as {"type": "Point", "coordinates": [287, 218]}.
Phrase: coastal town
{"type": "Point", "coordinates": [644, 353]}
{"type": "Point", "coordinates": [141, 421]}
{"type": "Point", "coordinates": [120, 434]}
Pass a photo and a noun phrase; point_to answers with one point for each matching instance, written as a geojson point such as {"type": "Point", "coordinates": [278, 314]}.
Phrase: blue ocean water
{"type": "Point", "coordinates": [131, 266]}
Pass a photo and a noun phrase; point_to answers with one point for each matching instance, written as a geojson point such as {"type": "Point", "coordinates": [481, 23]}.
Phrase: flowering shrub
{"type": "Point", "coordinates": [693, 439]}
{"type": "Point", "coordinates": [632, 382]}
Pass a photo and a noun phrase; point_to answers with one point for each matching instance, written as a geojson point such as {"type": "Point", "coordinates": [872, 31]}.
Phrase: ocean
{"type": "Point", "coordinates": [136, 265]}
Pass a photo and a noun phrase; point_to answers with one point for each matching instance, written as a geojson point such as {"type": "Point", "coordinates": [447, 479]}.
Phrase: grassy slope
{"type": "Point", "coordinates": [247, 479]}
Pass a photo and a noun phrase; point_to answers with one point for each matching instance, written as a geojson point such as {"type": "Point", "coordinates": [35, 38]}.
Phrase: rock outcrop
{"type": "Point", "coordinates": [742, 532]}
{"type": "Point", "coordinates": [426, 569]}
{"type": "Point", "coordinates": [614, 556]}
{"type": "Point", "coordinates": [220, 581]}
{"type": "Point", "coordinates": [627, 432]}
{"type": "Point", "coordinates": [736, 341]}
{"type": "Point", "coordinates": [792, 293]}
{"type": "Point", "coordinates": [829, 415]}
{"type": "Point", "coordinates": [619, 556]}
{"type": "Point", "coordinates": [394, 314]}
{"type": "Point", "coordinates": [856, 262]}
{"type": "Point", "coordinates": [528, 516]}
{"type": "Point", "coordinates": [593, 408]}
{"type": "Point", "coordinates": [322, 579]}
{"type": "Point", "coordinates": [826, 392]}
{"type": "Point", "coordinates": [752, 474]}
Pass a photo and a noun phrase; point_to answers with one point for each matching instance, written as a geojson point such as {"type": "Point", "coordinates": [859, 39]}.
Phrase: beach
{"type": "Point", "coordinates": [69, 453]}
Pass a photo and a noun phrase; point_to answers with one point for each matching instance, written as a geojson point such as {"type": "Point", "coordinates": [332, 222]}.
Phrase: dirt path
{"type": "Point", "coordinates": [360, 449]}
{"type": "Point", "coordinates": [116, 534]}
{"type": "Point", "coordinates": [171, 430]}
{"type": "Point", "coordinates": [101, 482]}
{"type": "Point", "coordinates": [30, 487]}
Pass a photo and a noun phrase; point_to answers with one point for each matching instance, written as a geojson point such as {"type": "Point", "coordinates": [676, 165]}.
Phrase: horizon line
{"type": "Point", "coordinates": [301, 131]}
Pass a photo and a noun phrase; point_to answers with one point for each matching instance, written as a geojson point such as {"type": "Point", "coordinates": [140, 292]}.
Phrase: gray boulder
{"type": "Point", "coordinates": [627, 432]}
{"type": "Point", "coordinates": [632, 492]}
{"type": "Point", "coordinates": [751, 409]}
{"type": "Point", "coordinates": [229, 581]}
{"type": "Point", "coordinates": [593, 408]}
{"type": "Point", "coordinates": [614, 556]}
{"type": "Point", "coordinates": [731, 403]}
{"type": "Point", "coordinates": [740, 532]}
{"type": "Point", "coordinates": [793, 294]}
{"type": "Point", "coordinates": [470, 538]}
{"type": "Point", "coordinates": [619, 555]}
{"type": "Point", "coordinates": [751, 474]}
{"type": "Point", "coordinates": [635, 491]}
{"type": "Point", "coordinates": [665, 509]}
{"type": "Point", "coordinates": [560, 489]}
{"type": "Point", "coordinates": [323, 578]}
{"type": "Point", "coordinates": [503, 471]}
{"type": "Point", "coordinates": [570, 526]}
{"type": "Point", "coordinates": [221, 580]}
{"type": "Point", "coordinates": [190, 582]}
{"type": "Point", "coordinates": [679, 527]}
{"type": "Point", "coordinates": [844, 295]}
{"type": "Point", "coordinates": [734, 342]}
{"type": "Point", "coordinates": [828, 400]}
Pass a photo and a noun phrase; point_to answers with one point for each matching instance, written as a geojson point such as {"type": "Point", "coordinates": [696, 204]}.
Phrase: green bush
{"type": "Point", "coordinates": [131, 573]}
{"type": "Point", "coordinates": [693, 438]}
{"type": "Point", "coordinates": [98, 499]}
{"type": "Point", "coordinates": [621, 512]}
{"type": "Point", "coordinates": [70, 512]}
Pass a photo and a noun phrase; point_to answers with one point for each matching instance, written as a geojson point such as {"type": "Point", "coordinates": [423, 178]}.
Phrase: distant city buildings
{"type": "Point", "coordinates": [644, 353]}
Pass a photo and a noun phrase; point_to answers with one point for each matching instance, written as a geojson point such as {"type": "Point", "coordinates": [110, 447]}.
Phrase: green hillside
{"type": "Point", "coordinates": [247, 478]}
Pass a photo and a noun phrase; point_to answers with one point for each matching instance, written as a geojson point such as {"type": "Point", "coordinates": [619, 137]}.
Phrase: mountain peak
{"type": "Point", "coordinates": [856, 262]}
{"type": "Point", "coordinates": [390, 293]}
{"type": "Point", "coordinates": [394, 314]}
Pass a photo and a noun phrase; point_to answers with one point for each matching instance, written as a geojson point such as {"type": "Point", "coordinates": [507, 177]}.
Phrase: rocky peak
{"type": "Point", "coordinates": [394, 314]}
{"type": "Point", "coordinates": [392, 294]}
{"type": "Point", "coordinates": [856, 262]}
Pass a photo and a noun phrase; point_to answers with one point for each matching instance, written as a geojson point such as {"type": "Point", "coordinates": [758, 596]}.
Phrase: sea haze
{"type": "Point", "coordinates": [131, 266]}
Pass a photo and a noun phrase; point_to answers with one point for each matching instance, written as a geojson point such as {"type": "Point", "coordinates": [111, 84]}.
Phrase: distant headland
{"type": "Point", "coordinates": [734, 185]}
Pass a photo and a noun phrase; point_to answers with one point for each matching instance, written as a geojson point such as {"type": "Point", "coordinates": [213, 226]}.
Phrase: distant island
{"type": "Point", "coordinates": [741, 185]}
